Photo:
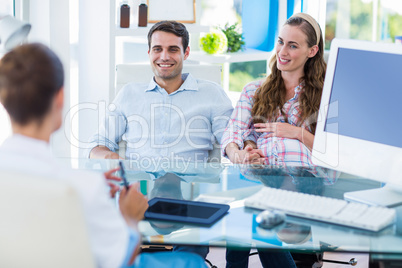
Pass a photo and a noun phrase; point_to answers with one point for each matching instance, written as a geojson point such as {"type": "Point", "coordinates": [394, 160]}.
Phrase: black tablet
{"type": "Point", "coordinates": [185, 211]}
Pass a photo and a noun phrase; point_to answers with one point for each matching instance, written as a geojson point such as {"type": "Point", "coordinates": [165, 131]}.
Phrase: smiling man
{"type": "Point", "coordinates": [173, 117]}
{"type": "Point", "coordinates": [166, 54]}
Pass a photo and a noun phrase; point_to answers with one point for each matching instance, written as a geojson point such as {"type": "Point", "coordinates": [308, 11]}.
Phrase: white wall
{"type": "Point", "coordinates": [89, 48]}
{"type": "Point", "coordinates": [93, 56]}
{"type": "Point", "coordinates": [50, 26]}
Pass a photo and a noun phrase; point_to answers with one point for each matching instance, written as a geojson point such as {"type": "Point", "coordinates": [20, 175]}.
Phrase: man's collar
{"type": "Point", "coordinates": [152, 85]}
{"type": "Point", "coordinates": [190, 83]}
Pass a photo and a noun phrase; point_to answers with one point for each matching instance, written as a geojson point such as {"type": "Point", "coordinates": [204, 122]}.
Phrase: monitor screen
{"type": "Point", "coordinates": [366, 96]}
{"type": "Point", "coordinates": [359, 127]}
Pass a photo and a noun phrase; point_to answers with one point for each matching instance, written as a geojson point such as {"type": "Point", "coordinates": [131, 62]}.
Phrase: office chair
{"type": "Point", "coordinates": [42, 223]}
{"type": "Point", "coordinates": [142, 73]}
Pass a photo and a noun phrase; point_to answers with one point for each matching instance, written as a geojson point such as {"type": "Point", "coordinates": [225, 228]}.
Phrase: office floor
{"type": "Point", "coordinates": [217, 257]}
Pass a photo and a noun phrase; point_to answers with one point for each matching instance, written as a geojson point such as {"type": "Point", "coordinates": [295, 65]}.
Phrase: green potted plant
{"type": "Point", "coordinates": [235, 38]}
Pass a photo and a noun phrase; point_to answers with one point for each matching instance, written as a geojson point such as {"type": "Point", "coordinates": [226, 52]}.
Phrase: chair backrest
{"type": "Point", "coordinates": [42, 223]}
{"type": "Point", "coordinates": [142, 73]}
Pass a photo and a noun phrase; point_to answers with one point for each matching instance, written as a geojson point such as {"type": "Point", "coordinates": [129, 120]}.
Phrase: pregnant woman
{"type": "Point", "coordinates": [274, 120]}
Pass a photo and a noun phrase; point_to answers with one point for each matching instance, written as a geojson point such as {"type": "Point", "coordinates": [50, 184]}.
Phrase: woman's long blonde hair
{"type": "Point", "coordinates": [270, 97]}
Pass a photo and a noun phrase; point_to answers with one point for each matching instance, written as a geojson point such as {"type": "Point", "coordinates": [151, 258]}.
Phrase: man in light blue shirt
{"type": "Point", "coordinates": [174, 117]}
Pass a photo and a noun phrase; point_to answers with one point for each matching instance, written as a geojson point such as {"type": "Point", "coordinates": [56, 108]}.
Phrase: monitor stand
{"type": "Point", "coordinates": [388, 196]}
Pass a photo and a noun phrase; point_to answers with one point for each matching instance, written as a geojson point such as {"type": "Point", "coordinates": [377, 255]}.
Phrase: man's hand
{"type": "Point", "coordinates": [132, 204]}
{"type": "Point", "coordinates": [112, 155]}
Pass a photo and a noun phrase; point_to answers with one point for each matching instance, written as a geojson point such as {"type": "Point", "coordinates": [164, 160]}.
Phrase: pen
{"type": "Point", "coordinates": [123, 174]}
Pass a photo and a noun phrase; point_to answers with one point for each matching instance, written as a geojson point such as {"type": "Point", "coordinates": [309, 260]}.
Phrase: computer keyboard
{"type": "Point", "coordinates": [321, 208]}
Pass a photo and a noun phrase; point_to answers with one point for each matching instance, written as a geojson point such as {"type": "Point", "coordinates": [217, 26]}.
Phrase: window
{"type": "Point", "coordinates": [374, 20]}
{"type": "Point", "coordinates": [242, 73]}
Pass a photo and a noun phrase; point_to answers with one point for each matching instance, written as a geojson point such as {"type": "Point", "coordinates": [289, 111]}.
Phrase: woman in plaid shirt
{"type": "Point", "coordinates": [274, 120]}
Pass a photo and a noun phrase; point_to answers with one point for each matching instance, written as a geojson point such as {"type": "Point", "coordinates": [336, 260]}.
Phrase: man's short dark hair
{"type": "Point", "coordinates": [30, 76]}
{"type": "Point", "coordinates": [171, 26]}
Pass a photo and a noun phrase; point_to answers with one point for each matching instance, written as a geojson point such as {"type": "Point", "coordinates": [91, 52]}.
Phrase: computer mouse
{"type": "Point", "coordinates": [270, 218]}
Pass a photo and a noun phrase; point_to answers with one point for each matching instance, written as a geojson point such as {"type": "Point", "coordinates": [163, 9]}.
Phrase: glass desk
{"type": "Point", "coordinates": [230, 184]}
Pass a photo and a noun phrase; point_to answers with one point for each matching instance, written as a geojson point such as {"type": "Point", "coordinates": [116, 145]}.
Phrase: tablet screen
{"type": "Point", "coordinates": [184, 210]}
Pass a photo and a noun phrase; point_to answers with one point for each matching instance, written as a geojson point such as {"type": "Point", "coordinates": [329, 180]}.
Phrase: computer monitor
{"type": "Point", "coordinates": [359, 128]}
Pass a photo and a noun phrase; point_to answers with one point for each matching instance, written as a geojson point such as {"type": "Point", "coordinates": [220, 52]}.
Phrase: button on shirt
{"type": "Point", "coordinates": [155, 124]}
{"type": "Point", "coordinates": [277, 150]}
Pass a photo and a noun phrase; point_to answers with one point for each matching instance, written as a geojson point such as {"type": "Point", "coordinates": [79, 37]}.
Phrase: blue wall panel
{"type": "Point", "coordinates": [290, 8]}
{"type": "Point", "coordinates": [260, 23]}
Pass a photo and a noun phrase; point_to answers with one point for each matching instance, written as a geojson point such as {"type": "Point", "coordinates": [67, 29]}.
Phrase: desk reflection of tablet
{"type": "Point", "coordinates": [185, 211]}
